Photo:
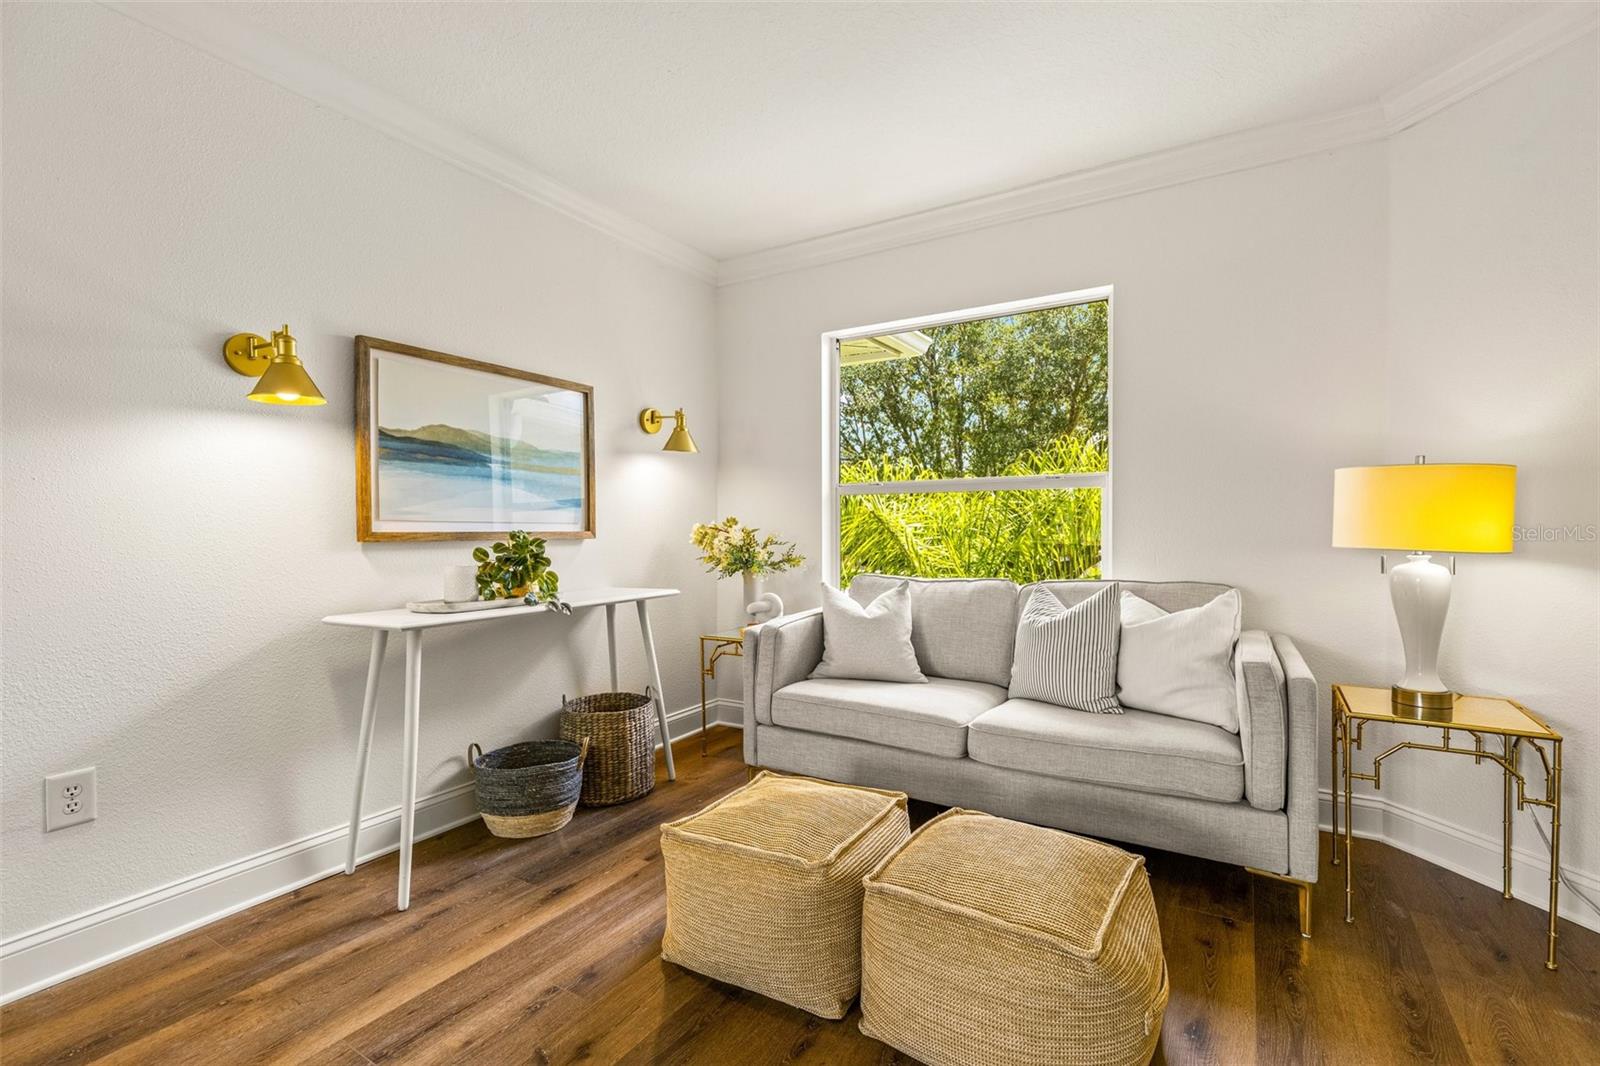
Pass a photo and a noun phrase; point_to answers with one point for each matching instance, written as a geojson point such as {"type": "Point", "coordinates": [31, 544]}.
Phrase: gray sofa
{"type": "Point", "coordinates": [1247, 798]}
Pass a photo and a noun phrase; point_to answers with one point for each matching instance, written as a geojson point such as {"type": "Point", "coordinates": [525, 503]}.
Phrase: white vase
{"type": "Point", "coordinates": [755, 585]}
{"type": "Point", "coordinates": [460, 583]}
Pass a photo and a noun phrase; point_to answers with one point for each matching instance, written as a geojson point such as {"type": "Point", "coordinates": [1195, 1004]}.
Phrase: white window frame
{"type": "Point", "coordinates": [833, 491]}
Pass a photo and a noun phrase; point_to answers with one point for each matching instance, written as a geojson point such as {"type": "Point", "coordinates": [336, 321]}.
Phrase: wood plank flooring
{"type": "Point", "coordinates": [547, 951]}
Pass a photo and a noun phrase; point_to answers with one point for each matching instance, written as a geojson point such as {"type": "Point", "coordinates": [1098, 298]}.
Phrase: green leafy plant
{"type": "Point", "coordinates": [1024, 535]}
{"type": "Point", "coordinates": [728, 549]}
{"type": "Point", "coordinates": [518, 567]}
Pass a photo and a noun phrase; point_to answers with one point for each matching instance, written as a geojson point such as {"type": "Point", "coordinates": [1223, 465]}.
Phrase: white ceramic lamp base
{"type": "Point", "coordinates": [1420, 589]}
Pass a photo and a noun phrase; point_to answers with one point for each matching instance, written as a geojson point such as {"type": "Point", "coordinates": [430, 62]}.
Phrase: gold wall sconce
{"type": "Point", "coordinates": [283, 377]}
{"type": "Point", "coordinates": [651, 421]}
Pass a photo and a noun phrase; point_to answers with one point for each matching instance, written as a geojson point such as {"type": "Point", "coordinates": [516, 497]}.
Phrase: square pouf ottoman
{"type": "Point", "coordinates": [764, 886]}
{"type": "Point", "coordinates": [990, 941]}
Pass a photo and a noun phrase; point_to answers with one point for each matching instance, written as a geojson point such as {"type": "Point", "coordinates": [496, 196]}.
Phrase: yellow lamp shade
{"type": "Point", "coordinates": [286, 382]}
{"type": "Point", "coordinates": [1425, 507]}
{"type": "Point", "coordinates": [679, 440]}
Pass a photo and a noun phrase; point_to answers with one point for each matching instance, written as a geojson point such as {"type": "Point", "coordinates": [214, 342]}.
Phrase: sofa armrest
{"type": "Point", "coordinates": [776, 653]}
{"type": "Point", "coordinates": [1263, 720]}
{"type": "Point", "coordinates": [1300, 780]}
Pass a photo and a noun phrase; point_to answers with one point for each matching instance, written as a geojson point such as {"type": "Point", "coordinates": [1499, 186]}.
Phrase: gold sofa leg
{"type": "Point", "coordinates": [1301, 887]}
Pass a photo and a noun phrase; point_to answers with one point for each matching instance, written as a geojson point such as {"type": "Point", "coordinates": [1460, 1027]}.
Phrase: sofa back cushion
{"type": "Point", "coordinates": [1168, 595]}
{"type": "Point", "coordinates": [964, 628]}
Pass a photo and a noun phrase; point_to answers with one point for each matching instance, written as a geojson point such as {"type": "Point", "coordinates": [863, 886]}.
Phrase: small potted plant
{"type": "Point", "coordinates": [518, 568]}
{"type": "Point", "coordinates": [729, 549]}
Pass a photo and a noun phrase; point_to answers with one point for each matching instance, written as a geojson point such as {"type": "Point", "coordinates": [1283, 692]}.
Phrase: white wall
{"type": "Point", "coordinates": [1494, 355]}
{"type": "Point", "coordinates": [169, 547]}
{"type": "Point", "coordinates": [1260, 341]}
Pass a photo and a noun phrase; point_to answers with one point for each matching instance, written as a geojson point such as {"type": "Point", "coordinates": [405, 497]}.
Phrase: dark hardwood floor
{"type": "Point", "coordinates": [547, 951]}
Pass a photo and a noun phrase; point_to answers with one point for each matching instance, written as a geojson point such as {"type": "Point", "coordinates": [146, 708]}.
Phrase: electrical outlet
{"type": "Point", "coordinates": [69, 798]}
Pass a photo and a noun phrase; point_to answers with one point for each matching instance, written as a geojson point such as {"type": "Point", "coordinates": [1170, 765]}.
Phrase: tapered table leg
{"type": "Point", "coordinates": [611, 641]}
{"type": "Point", "coordinates": [655, 679]}
{"type": "Point", "coordinates": [408, 772]}
{"type": "Point", "coordinates": [369, 711]}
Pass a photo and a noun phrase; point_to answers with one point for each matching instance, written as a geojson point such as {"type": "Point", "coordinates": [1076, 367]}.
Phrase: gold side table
{"type": "Point", "coordinates": [1354, 706]}
{"type": "Point", "coordinates": [719, 645]}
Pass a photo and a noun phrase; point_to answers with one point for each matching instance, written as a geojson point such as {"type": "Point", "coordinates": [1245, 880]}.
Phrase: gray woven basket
{"type": "Point", "coordinates": [621, 730]}
{"type": "Point", "coordinates": [528, 789]}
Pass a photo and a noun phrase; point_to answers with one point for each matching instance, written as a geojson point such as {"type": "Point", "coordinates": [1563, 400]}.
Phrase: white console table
{"type": "Point", "coordinates": [413, 624]}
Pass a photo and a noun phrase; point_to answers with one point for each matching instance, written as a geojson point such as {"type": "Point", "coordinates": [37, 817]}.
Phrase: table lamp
{"type": "Point", "coordinates": [1420, 509]}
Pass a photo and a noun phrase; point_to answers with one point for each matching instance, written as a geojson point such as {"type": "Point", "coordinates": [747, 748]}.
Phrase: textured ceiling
{"type": "Point", "coordinates": [740, 127]}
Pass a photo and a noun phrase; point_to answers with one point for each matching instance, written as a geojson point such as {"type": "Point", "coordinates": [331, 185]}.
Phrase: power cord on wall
{"type": "Point", "coordinates": [1574, 889]}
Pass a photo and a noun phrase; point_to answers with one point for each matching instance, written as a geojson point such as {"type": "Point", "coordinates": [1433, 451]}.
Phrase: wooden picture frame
{"type": "Point", "coordinates": [435, 473]}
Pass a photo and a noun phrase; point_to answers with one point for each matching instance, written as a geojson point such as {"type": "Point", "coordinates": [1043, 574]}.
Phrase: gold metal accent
{"type": "Point", "coordinates": [1477, 716]}
{"type": "Point", "coordinates": [1304, 890]}
{"type": "Point", "coordinates": [248, 354]}
{"type": "Point", "coordinates": [283, 378]}
{"type": "Point", "coordinates": [722, 645]}
{"type": "Point", "coordinates": [1431, 706]}
{"type": "Point", "coordinates": [651, 420]}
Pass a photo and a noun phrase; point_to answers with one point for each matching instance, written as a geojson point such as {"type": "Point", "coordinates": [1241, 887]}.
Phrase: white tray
{"type": "Point", "coordinates": [443, 607]}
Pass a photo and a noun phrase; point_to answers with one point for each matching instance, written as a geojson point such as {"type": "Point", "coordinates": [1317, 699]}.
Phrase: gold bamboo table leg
{"type": "Point", "coordinates": [1478, 717]}
{"type": "Point", "coordinates": [1510, 749]}
{"type": "Point", "coordinates": [1333, 780]}
{"type": "Point", "coordinates": [721, 645]}
{"type": "Point", "coordinates": [1553, 794]}
{"type": "Point", "coordinates": [1349, 859]}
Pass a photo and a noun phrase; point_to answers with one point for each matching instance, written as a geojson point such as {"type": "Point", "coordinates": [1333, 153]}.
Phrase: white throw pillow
{"type": "Point", "coordinates": [1180, 664]}
{"type": "Point", "coordinates": [871, 643]}
{"type": "Point", "coordinates": [1068, 655]}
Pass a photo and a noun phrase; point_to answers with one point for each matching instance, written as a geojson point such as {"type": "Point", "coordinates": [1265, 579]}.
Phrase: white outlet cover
{"type": "Point", "coordinates": [69, 799]}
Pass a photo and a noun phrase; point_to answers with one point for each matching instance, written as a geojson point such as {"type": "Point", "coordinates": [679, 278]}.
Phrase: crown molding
{"type": "Point", "coordinates": [1520, 44]}
{"type": "Point", "coordinates": [215, 30]}
{"type": "Point", "coordinates": [1158, 170]}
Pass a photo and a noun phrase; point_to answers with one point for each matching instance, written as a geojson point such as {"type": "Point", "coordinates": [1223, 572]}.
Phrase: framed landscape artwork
{"type": "Point", "coordinates": [453, 449]}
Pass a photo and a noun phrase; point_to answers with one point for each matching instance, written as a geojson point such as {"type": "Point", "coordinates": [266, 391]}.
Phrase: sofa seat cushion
{"type": "Point", "coordinates": [1136, 749]}
{"type": "Point", "coordinates": [929, 718]}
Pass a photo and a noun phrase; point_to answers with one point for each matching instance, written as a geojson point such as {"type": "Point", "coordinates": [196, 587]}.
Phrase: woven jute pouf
{"type": "Point", "coordinates": [990, 941]}
{"type": "Point", "coordinates": [764, 886]}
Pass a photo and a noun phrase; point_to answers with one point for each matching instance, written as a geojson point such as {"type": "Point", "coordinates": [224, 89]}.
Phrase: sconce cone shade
{"type": "Point", "coordinates": [287, 382]}
{"type": "Point", "coordinates": [1425, 507]}
{"type": "Point", "coordinates": [651, 420]}
{"type": "Point", "coordinates": [679, 440]}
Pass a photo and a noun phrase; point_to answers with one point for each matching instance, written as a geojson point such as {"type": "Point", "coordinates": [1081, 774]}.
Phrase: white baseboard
{"type": "Point", "coordinates": [38, 959]}
{"type": "Point", "coordinates": [686, 722]}
{"type": "Point", "coordinates": [1470, 853]}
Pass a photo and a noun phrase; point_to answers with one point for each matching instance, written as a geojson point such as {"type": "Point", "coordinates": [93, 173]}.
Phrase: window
{"type": "Point", "coordinates": [975, 444]}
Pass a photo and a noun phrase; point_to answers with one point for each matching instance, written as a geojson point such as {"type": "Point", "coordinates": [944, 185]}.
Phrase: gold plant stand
{"type": "Point", "coordinates": [714, 646]}
{"type": "Point", "coordinates": [1354, 706]}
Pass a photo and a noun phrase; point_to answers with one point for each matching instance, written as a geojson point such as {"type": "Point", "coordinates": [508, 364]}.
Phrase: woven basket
{"type": "Point", "coordinates": [528, 789]}
{"type": "Point", "coordinates": [764, 886]}
{"type": "Point", "coordinates": [621, 730]}
{"type": "Point", "coordinates": [989, 941]}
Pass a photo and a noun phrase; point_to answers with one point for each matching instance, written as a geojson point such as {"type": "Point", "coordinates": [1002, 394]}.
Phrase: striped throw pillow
{"type": "Point", "coordinates": [1068, 655]}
